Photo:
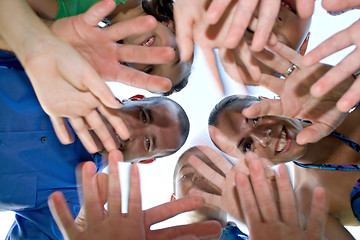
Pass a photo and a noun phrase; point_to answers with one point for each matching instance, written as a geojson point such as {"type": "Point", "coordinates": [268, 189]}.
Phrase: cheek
{"type": "Point", "coordinates": [289, 36]}
{"type": "Point", "coordinates": [183, 188]}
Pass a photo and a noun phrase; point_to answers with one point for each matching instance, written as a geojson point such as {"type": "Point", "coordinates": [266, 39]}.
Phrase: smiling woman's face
{"type": "Point", "coordinates": [271, 137]}
{"type": "Point", "coordinates": [162, 36]}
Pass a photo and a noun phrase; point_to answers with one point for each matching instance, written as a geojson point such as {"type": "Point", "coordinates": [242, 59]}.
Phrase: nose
{"type": "Point", "coordinates": [196, 178]}
{"type": "Point", "coordinates": [263, 137]}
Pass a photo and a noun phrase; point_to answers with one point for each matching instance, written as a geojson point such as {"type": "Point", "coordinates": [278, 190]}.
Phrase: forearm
{"type": "Point", "coordinates": [21, 29]}
{"type": "Point", "coordinates": [335, 230]}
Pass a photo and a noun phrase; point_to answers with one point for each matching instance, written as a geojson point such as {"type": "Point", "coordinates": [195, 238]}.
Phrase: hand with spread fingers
{"type": "Point", "coordinates": [349, 67]}
{"type": "Point", "coordinates": [243, 16]}
{"type": "Point", "coordinates": [269, 218]}
{"type": "Point", "coordinates": [295, 98]}
{"type": "Point", "coordinates": [222, 25]}
{"type": "Point", "coordinates": [96, 223]}
{"type": "Point", "coordinates": [228, 200]}
{"type": "Point", "coordinates": [346, 70]}
{"type": "Point", "coordinates": [68, 69]}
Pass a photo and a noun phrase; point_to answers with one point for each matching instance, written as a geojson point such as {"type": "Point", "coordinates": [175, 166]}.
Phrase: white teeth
{"type": "Point", "coordinates": [282, 142]}
{"type": "Point", "coordinates": [286, 5]}
{"type": "Point", "coordinates": [149, 42]}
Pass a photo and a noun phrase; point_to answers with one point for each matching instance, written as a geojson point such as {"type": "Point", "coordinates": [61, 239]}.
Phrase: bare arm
{"type": "Point", "coordinates": [26, 33]}
{"type": "Point", "coordinates": [335, 230]}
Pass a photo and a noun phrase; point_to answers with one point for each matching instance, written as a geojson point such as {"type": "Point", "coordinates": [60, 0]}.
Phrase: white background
{"type": "Point", "coordinates": [198, 98]}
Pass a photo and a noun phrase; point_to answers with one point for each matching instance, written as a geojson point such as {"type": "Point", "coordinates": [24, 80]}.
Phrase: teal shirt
{"type": "Point", "coordinates": [69, 8]}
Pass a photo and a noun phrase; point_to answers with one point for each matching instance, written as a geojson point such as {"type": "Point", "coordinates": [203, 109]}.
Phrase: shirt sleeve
{"type": "Point", "coordinates": [69, 8]}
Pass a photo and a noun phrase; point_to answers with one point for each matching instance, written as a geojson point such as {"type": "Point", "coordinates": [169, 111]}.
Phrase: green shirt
{"type": "Point", "coordinates": [69, 8]}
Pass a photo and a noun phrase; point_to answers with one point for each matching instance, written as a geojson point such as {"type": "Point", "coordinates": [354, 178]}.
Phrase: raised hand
{"type": "Point", "coordinates": [228, 200]}
{"type": "Point", "coordinates": [113, 224]}
{"type": "Point", "coordinates": [343, 71]}
{"type": "Point", "coordinates": [241, 20]}
{"type": "Point", "coordinates": [268, 218]}
{"type": "Point", "coordinates": [100, 48]}
{"type": "Point", "coordinates": [295, 99]}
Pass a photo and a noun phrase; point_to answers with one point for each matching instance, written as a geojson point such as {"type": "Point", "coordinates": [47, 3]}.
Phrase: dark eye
{"type": "Point", "coordinates": [187, 176]}
{"type": "Point", "coordinates": [247, 146]}
{"type": "Point", "coordinates": [143, 116]}
{"type": "Point", "coordinates": [255, 120]}
{"type": "Point", "coordinates": [147, 144]}
{"type": "Point", "coordinates": [149, 69]}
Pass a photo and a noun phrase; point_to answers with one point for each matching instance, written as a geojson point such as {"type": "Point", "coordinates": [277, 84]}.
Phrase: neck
{"type": "Point", "coordinates": [331, 150]}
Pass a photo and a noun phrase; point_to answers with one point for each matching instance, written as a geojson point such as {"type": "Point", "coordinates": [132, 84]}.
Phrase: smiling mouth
{"type": "Point", "coordinates": [287, 6]}
{"type": "Point", "coordinates": [148, 42]}
{"type": "Point", "coordinates": [284, 142]}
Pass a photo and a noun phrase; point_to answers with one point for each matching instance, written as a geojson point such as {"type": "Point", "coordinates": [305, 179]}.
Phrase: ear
{"type": "Point", "coordinates": [304, 45]}
{"type": "Point", "coordinates": [170, 24]}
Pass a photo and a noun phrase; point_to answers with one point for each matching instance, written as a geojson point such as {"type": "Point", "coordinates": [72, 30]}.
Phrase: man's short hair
{"type": "Point", "coordinates": [183, 120]}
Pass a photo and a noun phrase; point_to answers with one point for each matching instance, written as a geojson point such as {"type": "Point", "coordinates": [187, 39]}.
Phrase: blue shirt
{"type": "Point", "coordinates": [232, 232]}
{"type": "Point", "coordinates": [33, 161]}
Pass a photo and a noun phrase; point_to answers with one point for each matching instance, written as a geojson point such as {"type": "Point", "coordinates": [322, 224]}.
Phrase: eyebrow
{"type": "Point", "coordinates": [185, 166]}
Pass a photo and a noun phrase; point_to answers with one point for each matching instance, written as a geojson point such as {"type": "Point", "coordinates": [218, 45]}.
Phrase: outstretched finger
{"type": "Point", "coordinates": [173, 208]}
{"type": "Point", "coordinates": [211, 199]}
{"type": "Point", "coordinates": [313, 133]}
{"type": "Point", "coordinates": [305, 8]}
{"type": "Point", "coordinates": [249, 206]}
{"type": "Point", "coordinates": [288, 208]}
{"type": "Point", "coordinates": [317, 217]}
{"type": "Point", "coordinates": [127, 28]}
{"type": "Point", "coordinates": [136, 78]}
{"type": "Point", "coordinates": [219, 161]}
{"type": "Point", "coordinates": [116, 122]}
{"type": "Point", "coordinates": [206, 171]}
{"type": "Point", "coordinates": [135, 191]}
{"type": "Point", "coordinates": [264, 108]}
{"type": "Point", "coordinates": [288, 53]}
{"type": "Point", "coordinates": [82, 132]}
{"type": "Point", "coordinates": [92, 201]}
{"type": "Point", "coordinates": [212, 64]}
{"type": "Point", "coordinates": [114, 193]}
{"type": "Point", "coordinates": [216, 10]}
{"type": "Point", "coordinates": [223, 143]}
{"type": "Point", "coordinates": [184, 34]}
{"type": "Point", "coordinates": [89, 80]}
{"type": "Point", "coordinates": [249, 62]}
{"type": "Point", "coordinates": [241, 19]}
{"type": "Point", "coordinates": [145, 55]}
{"type": "Point", "coordinates": [337, 42]}
{"type": "Point", "coordinates": [97, 124]}
{"type": "Point", "coordinates": [62, 130]}
{"type": "Point", "coordinates": [269, 10]}
{"type": "Point", "coordinates": [350, 98]}
{"type": "Point", "coordinates": [263, 193]}
{"type": "Point", "coordinates": [98, 12]}
{"type": "Point", "coordinates": [336, 75]}
{"type": "Point", "coordinates": [235, 71]}
{"type": "Point", "coordinates": [62, 215]}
